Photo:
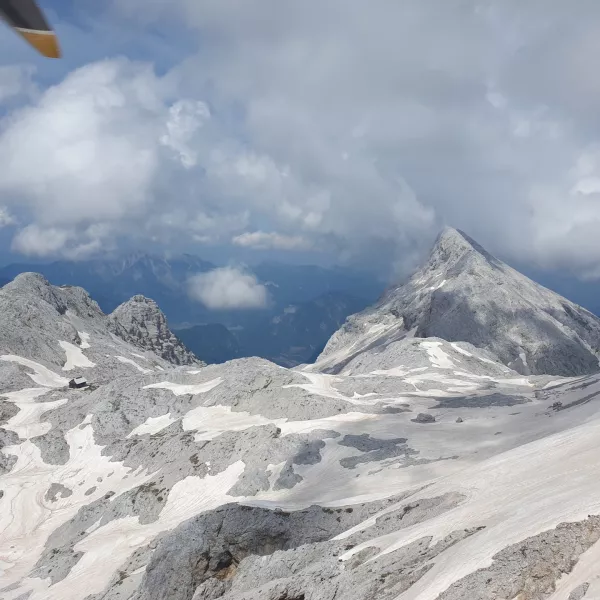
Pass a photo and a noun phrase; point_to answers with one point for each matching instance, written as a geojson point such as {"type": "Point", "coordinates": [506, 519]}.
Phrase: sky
{"type": "Point", "coordinates": [337, 131]}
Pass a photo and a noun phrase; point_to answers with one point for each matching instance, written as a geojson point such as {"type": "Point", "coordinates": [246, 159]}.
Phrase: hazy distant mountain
{"type": "Point", "coordinates": [290, 337]}
{"type": "Point", "coordinates": [213, 342]}
{"type": "Point", "coordinates": [300, 329]}
{"type": "Point", "coordinates": [293, 284]}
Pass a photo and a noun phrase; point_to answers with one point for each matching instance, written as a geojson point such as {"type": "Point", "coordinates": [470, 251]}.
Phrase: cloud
{"type": "Point", "coordinates": [96, 154]}
{"type": "Point", "coordinates": [6, 218]}
{"type": "Point", "coordinates": [16, 81]}
{"type": "Point", "coordinates": [185, 118]}
{"type": "Point", "coordinates": [35, 240]}
{"type": "Point", "coordinates": [354, 128]}
{"type": "Point", "coordinates": [261, 240]}
{"type": "Point", "coordinates": [228, 288]}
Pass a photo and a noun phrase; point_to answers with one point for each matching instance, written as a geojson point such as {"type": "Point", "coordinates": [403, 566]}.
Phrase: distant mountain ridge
{"type": "Point", "coordinates": [300, 329]}
{"type": "Point", "coordinates": [213, 342]}
{"type": "Point", "coordinates": [463, 293]}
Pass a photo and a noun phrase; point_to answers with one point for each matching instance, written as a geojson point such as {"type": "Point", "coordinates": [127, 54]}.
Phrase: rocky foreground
{"type": "Point", "coordinates": [399, 466]}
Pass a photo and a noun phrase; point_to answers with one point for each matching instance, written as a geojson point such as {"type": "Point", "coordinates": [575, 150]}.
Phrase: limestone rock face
{"type": "Point", "coordinates": [141, 322]}
{"type": "Point", "coordinates": [464, 294]}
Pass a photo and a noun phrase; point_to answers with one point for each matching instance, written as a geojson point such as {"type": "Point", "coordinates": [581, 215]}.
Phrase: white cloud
{"type": "Point", "coordinates": [261, 240]}
{"type": "Point", "coordinates": [16, 82]}
{"type": "Point", "coordinates": [6, 218]}
{"type": "Point", "coordinates": [355, 127]}
{"type": "Point", "coordinates": [185, 118]}
{"type": "Point", "coordinates": [87, 149]}
{"type": "Point", "coordinates": [100, 149]}
{"type": "Point", "coordinates": [228, 288]}
{"type": "Point", "coordinates": [35, 241]}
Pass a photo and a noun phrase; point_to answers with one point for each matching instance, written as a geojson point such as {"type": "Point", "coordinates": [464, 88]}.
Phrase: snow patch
{"type": "Point", "coordinates": [376, 329]}
{"type": "Point", "coordinates": [42, 375]}
{"type": "Point", "coordinates": [585, 571]}
{"type": "Point", "coordinates": [128, 361]}
{"type": "Point", "coordinates": [75, 357]}
{"type": "Point", "coordinates": [438, 286]}
{"type": "Point", "coordinates": [322, 385]}
{"type": "Point", "coordinates": [542, 484]}
{"type": "Point", "coordinates": [461, 351]}
{"type": "Point", "coordinates": [437, 356]}
{"type": "Point", "coordinates": [85, 340]}
{"type": "Point", "coordinates": [181, 389]}
{"type": "Point", "coordinates": [398, 371]}
{"type": "Point", "coordinates": [523, 357]}
{"type": "Point", "coordinates": [212, 421]}
{"type": "Point", "coordinates": [26, 423]}
{"type": "Point", "coordinates": [108, 547]}
{"type": "Point", "coordinates": [27, 519]}
{"type": "Point", "coordinates": [153, 425]}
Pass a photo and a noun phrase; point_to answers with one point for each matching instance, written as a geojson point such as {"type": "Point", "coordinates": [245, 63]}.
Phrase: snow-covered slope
{"type": "Point", "coordinates": [464, 294]}
{"type": "Point", "coordinates": [429, 471]}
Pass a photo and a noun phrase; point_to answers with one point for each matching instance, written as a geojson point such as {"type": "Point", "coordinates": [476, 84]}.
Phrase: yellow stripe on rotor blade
{"type": "Point", "coordinates": [45, 42]}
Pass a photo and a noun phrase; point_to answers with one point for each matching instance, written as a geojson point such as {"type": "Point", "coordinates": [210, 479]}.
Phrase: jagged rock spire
{"type": "Point", "coordinates": [463, 293]}
{"type": "Point", "coordinates": [141, 322]}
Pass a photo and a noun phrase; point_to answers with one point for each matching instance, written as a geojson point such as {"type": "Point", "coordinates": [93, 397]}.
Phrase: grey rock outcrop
{"type": "Point", "coordinates": [424, 418]}
{"type": "Point", "coordinates": [140, 321]}
{"type": "Point", "coordinates": [464, 294]}
{"type": "Point", "coordinates": [36, 315]}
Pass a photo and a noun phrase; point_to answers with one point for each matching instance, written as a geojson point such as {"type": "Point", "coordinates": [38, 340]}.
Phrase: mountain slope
{"type": "Point", "coordinates": [432, 471]}
{"type": "Point", "coordinates": [463, 293]}
{"type": "Point", "coordinates": [53, 325]}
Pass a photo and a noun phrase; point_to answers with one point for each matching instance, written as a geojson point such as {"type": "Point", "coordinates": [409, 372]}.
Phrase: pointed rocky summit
{"type": "Point", "coordinates": [463, 293]}
{"type": "Point", "coordinates": [140, 321]}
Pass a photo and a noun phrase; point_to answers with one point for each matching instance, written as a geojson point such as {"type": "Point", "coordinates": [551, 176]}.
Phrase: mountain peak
{"type": "Point", "coordinates": [34, 287]}
{"type": "Point", "coordinates": [141, 299]}
{"type": "Point", "coordinates": [453, 244]}
{"type": "Point", "coordinates": [32, 282]}
{"type": "Point", "coordinates": [464, 294]}
{"type": "Point", "coordinates": [140, 321]}
{"type": "Point", "coordinates": [449, 233]}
